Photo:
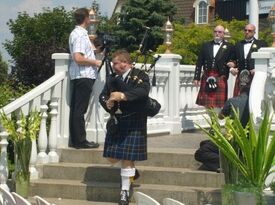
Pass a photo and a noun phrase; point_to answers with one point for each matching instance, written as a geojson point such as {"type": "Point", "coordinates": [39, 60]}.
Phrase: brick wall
{"type": "Point", "coordinates": [185, 10]}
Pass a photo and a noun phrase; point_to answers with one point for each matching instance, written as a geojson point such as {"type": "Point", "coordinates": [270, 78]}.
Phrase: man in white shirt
{"type": "Point", "coordinates": [243, 50]}
{"type": "Point", "coordinates": [83, 72]}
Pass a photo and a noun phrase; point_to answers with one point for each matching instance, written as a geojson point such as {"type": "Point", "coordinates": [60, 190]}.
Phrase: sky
{"type": "Point", "coordinates": [10, 8]}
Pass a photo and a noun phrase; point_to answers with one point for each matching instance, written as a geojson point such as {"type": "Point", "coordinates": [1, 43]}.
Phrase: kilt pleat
{"type": "Point", "coordinates": [217, 98]}
{"type": "Point", "coordinates": [131, 142]}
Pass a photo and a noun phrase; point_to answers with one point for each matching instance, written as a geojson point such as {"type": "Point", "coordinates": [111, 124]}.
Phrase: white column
{"type": "Point", "coordinates": [33, 160]}
{"type": "Point", "coordinates": [173, 60]}
{"type": "Point", "coordinates": [257, 90]}
{"type": "Point", "coordinates": [254, 14]}
{"type": "Point", "coordinates": [43, 138]}
{"type": "Point", "coordinates": [62, 65]}
{"type": "Point", "coordinates": [4, 158]}
{"type": "Point", "coordinates": [53, 156]}
{"type": "Point", "coordinates": [95, 114]}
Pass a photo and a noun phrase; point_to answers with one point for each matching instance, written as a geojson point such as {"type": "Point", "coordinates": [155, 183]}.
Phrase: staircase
{"type": "Point", "coordinates": [170, 171]}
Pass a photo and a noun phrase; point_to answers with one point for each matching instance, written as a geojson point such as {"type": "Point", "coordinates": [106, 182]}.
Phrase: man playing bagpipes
{"type": "Point", "coordinates": [125, 96]}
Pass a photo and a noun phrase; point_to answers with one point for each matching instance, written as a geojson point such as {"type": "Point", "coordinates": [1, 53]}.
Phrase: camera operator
{"type": "Point", "coordinates": [126, 138]}
{"type": "Point", "coordinates": [83, 72]}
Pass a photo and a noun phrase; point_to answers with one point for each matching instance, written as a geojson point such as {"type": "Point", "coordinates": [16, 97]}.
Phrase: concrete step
{"type": "Point", "coordinates": [150, 175]}
{"type": "Point", "coordinates": [159, 157]}
{"type": "Point", "coordinates": [109, 192]}
{"type": "Point", "coordinates": [60, 201]}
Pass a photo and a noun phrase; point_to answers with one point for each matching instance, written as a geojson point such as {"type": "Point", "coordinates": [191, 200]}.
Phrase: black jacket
{"type": "Point", "coordinates": [136, 88]}
{"type": "Point", "coordinates": [247, 63]}
{"type": "Point", "coordinates": [206, 60]}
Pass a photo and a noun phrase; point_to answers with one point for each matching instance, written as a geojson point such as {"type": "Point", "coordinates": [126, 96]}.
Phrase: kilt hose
{"type": "Point", "coordinates": [131, 142]}
{"type": "Point", "coordinates": [217, 98]}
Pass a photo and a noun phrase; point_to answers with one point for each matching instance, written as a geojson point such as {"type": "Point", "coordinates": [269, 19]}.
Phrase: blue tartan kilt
{"type": "Point", "coordinates": [131, 142]}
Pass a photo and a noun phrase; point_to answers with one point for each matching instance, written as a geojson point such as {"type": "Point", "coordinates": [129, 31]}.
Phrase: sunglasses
{"type": "Point", "coordinates": [248, 30]}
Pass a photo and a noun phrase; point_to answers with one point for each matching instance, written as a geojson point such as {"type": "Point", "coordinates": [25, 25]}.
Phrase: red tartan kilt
{"type": "Point", "coordinates": [217, 98]}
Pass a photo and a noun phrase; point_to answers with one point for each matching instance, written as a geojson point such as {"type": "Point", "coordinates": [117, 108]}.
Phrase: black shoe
{"type": "Point", "coordinates": [137, 175]}
{"type": "Point", "coordinates": [96, 145]}
{"type": "Point", "coordinates": [86, 145]}
{"type": "Point", "coordinates": [124, 198]}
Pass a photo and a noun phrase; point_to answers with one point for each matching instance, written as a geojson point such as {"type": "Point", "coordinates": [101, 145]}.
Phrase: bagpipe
{"type": "Point", "coordinates": [114, 82]}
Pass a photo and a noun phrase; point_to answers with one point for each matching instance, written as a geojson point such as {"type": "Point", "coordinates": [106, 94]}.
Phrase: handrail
{"type": "Point", "coordinates": [37, 91]}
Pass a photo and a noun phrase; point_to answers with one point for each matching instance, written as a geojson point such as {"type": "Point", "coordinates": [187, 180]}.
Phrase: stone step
{"type": "Point", "coordinates": [60, 201]}
{"type": "Point", "coordinates": [159, 157]}
{"type": "Point", "coordinates": [150, 175]}
{"type": "Point", "coordinates": [109, 192]}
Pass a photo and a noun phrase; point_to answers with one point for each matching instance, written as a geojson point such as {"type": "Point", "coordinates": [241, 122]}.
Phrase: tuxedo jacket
{"type": "Point", "coordinates": [206, 60]}
{"type": "Point", "coordinates": [136, 87]}
{"type": "Point", "coordinates": [247, 63]}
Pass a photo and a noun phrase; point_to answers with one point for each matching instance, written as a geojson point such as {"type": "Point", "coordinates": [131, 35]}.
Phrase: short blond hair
{"type": "Point", "coordinates": [123, 56]}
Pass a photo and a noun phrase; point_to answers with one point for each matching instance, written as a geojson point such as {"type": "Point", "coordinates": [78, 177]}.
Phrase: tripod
{"type": "Point", "coordinates": [106, 61]}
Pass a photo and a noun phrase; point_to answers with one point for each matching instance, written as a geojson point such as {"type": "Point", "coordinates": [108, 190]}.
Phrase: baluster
{"type": "Point", "coordinates": [43, 138]}
{"type": "Point", "coordinates": [4, 158]}
{"type": "Point", "coordinates": [189, 94]}
{"type": "Point", "coordinates": [53, 156]}
{"type": "Point", "coordinates": [161, 98]}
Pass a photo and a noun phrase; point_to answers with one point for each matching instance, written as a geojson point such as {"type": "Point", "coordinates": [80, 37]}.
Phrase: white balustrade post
{"type": "Point", "coordinates": [95, 121]}
{"type": "Point", "coordinates": [173, 60]}
{"type": "Point", "coordinates": [4, 159]}
{"type": "Point", "coordinates": [62, 61]}
{"type": "Point", "coordinates": [43, 138]}
{"type": "Point", "coordinates": [271, 96]}
{"type": "Point", "coordinates": [53, 156]}
{"type": "Point", "coordinates": [254, 14]}
{"type": "Point", "coordinates": [257, 90]}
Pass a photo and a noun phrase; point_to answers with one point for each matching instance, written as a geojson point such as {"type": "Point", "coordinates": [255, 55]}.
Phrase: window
{"type": "Point", "coordinates": [203, 14]}
{"type": "Point", "coordinates": [201, 11]}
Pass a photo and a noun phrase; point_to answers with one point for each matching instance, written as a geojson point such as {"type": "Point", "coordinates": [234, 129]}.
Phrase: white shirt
{"type": "Point", "coordinates": [216, 49]}
{"type": "Point", "coordinates": [125, 74]}
{"type": "Point", "coordinates": [79, 42]}
{"type": "Point", "coordinates": [246, 48]}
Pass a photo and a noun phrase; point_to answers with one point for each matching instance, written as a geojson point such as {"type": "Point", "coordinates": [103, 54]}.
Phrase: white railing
{"type": "Point", "coordinates": [174, 90]}
{"type": "Point", "coordinates": [51, 95]}
{"type": "Point", "coordinates": [262, 88]}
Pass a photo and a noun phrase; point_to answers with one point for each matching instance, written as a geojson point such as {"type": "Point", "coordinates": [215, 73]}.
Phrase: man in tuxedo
{"type": "Point", "coordinates": [243, 50]}
{"type": "Point", "coordinates": [215, 59]}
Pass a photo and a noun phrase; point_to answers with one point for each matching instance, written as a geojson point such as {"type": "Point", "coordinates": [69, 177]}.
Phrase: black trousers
{"type": "Point", "coordinates": [81, 93]}
{"type": "Point", "coordinates": [208, 155]}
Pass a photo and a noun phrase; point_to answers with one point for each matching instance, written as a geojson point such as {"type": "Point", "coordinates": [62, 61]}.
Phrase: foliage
{"type": "Point", "coordinates": [128, 25]}
{"type": "Point", "coordinates": [35, 39]}
{"type": "Point", "coordinates": [9, 92]}
{"type": "Point", "coordinates": [22, 136]}
{"type": "Point", "coordinates": [256, 152]}
{"type": "Point", "coordinates": [3, 70]}
{"type": "Point", "coordinates": [188, 39]}
{"type": "Point", "coordinates": [229, 190]}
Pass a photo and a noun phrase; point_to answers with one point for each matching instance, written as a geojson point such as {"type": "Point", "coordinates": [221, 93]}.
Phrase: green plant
{"type": "Point", "coordinates": [22, 136]}
{"type": "Point", "coordinates": [255, 153]}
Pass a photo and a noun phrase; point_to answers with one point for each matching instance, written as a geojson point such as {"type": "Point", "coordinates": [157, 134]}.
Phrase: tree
{"type": "Point", "coordinates": [3, 70]}
{"type": "Point", "coordinates": [35, 39]}
{"type": "Point", "coordinates": [129, 25]}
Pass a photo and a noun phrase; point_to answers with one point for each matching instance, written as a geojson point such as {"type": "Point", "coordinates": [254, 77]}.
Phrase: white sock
{"type": "Point", "coordinates": [125, 178]}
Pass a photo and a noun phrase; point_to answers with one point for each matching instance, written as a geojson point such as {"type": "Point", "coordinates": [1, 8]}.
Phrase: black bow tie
{"type": "Point", "coordinates": [216, 43]}
{"type": "Point", "coordinates": [250, 41]}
